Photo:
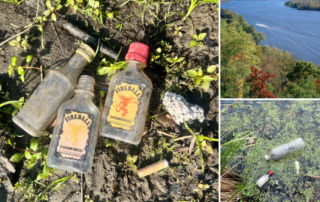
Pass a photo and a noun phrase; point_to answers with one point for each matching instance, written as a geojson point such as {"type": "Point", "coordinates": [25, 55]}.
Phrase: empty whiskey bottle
{"type": "Point", "coordinates": [75, 133]}
{"type": "Point", "coordinates": [127, 102]}
{"type": "Point", "coordinates": [264, 179]}
{"type": "Point", "coordinates": [57, 87]}
{"type": "Point", "coordinates": [285, 149]}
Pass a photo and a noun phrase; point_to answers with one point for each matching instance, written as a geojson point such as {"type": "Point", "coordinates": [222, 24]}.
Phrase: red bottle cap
{"type": "Point", "coordinates": [270, 172]}
{"type": "Point", "coordinates": [139, 52]}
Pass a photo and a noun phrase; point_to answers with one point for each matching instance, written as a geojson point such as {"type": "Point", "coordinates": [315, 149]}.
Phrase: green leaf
{"type": "Point", "coordinates": [200, 43]}
{"type": "Point", "coordinates": [24, 43]}
{"type": "Point", "coordinates": [34, 143]}
{"type": "Point", "coordinates": [201, 36]}
{"type": "Point", "coordinates": [192, 73]}
{"type": "Point", "coordinates": [134, 158]}
{"type": "Point", "coordinates": [120, 65]}
{"type": "Point", "coordinates": [19, 38]}
{"type": "Point", "coordinates": [29, 58]}
{"type": "Point", "coordinates": [200, 72]}
{"type": "Point", "coordinates": [180, 59]}
{"type": "Point", "coordinates": [46, 171]}
{"type": "Point", "coordinates": [209, 150]}
{"type": "Point", "coordinates": [197, 152]}
{"type": "Point", "coordinates": [14, 61]}
{"type": "Point", "coordinates": [53, 17]}
{"type": "Point", "coordinates": [29, 165]}
{"type": "Point", "coordinates": [15, 111]}
{"type": "Point", "coordinates": [102, 93]}
{"type": "Point", "coordinates": [198, 81]}
{"type": "Point", "coordinates": [200, 194]}
{"type": "Point", "coordinates": [16, 157]}
{"type": "Point", "coordinates": [134, 168]}
{"type": "Point", "coordinates": [158, 51]}
{"type": "Point", "coordinates": [195, 37]}
{"type": "Point", "coordinates": [212, 68]}
{"type": "Point", "coordinates": [27, 155]}
{"type": "Point", "coordinates": [20, 70]}
{"type": "Point", "coordinates": [207, 78]}
{"type": "Point", "coordinates": [58, 7]}
{"type": "Point", "coordinates": [10, 102]}
{"type": "Point", "coordinates": [48, 4]}
{"type": "Point", "coordinates": [38, 155]}
{"type": "Point", "coordinates": [47, 12]}
{"type": "Point", "coordinates": [22, 78]}
{"type": "Point", "coordinates": [13, 43]}
{"type": "Point", "coordinates": [170, 60]}
{"type": "Point", "coordinates": [10, 72]}
{"type": "Point", "coordinates": [103, 70]}
{"type": "Point", "coordinates": [193, 43]}
{"type": "Point", "coordinates": [205, 86]}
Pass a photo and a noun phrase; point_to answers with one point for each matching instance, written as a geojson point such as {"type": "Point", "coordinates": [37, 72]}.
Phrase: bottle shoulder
{"type": "Point", "coordinates": [81, 105]}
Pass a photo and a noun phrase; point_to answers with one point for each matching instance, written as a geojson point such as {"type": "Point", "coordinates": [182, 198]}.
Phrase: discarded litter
{"type": "Point", "coordinates": [180, 109]}
{"type": "Point", "coordinates": [285, 149]}
{"type": "Point", "coordinates": [75, 134]}
{"type": "Point", "coordinates": [127, 102]}
{"type": "Point", "coordinates": [57, 87]}
{"type": "Point", "coordinates": [264, 179]}
{"type": "Point", "coordinates": [153, 168]}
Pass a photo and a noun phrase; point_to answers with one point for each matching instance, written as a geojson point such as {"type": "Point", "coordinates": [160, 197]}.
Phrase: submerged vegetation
{"type": "Point", "coordinates": [253, 71]}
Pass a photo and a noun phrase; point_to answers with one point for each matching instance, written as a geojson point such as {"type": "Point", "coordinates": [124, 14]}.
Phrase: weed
{"type": "Point", "coordinates": [110, 14]}
{"type": "Point", "coordinates": [106, 67]}
{"type": "Point", "coordinates": [197, 40]}
{"type": "Point", "coordinates": [112, 143]}
{"type": "Point", "coordinates": [20, 69]}
{"type": "Point", "coordinates": [52, 9]}
{"type": "Point", "coordinates": [120, 25]}
{"type": "Point", "coordinates": [201, 187]}
{"type": "Point", "coordinates": [14, 1]}
{"type": "Point", "coordinates": [178, 31]}
{"type": "Point", "coordinates": [23, 42]}
{"type": "Point", "coordinates": [194, 3]}
{"type": "Point", "coordinates": [204, 79]}
{"type": "Point", "coordinates": [130, 162]}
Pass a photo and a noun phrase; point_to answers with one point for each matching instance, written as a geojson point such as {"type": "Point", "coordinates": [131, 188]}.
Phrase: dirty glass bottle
{"type": "Point", "coordinates": [285, 149]}
{"type": "Point", "coordinates": [75, 133]}
{"type": "Point", "coordinates": [127, 102]}
{"type": "Point", "coordinates": [264, 179]}
{"type": "Point", "coordinates": [57, 87]}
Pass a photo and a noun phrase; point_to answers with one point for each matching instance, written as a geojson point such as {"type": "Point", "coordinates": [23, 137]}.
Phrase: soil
{"type": "Point", "coordinates": [110, 178]}
{"type": "Point", "coordinates": [282, 122]}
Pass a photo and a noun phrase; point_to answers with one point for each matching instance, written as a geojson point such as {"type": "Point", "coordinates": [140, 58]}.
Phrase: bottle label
{"type": "Point", "coordinates": [74, 135]}
{"type": "Point", "coordinates": [124, 108]}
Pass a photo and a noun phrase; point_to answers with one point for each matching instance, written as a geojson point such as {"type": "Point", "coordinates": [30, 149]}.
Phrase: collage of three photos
{"type": "Point", "coordinates": [159, 100]}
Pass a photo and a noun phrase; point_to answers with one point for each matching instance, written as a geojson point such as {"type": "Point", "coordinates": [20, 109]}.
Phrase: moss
{"type": "Point", "coordinates": [283, 121]}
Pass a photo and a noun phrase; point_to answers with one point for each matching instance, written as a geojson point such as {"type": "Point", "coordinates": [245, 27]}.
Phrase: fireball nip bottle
{"type": "Point", "coordinates": [75, 134]}
{"type": "Point", "coordinates": [127, 102]}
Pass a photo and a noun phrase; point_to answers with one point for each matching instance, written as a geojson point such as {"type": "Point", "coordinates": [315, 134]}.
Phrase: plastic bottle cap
{"type": "Point", "coordinates": [270, 172]}
{"type": "Point", "coordinates": [267, 157]}
{"type": "Point", "coordinates": [139, 52]}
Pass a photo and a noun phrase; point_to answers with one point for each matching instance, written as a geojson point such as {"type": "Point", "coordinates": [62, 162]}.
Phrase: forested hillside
{"type": "Point", "coordinates": [304, 4]}
{"type": "Point", "coordinates": [249, 70]}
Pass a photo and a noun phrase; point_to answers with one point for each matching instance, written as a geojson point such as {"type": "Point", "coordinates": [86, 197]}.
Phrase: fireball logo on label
{"type": "Point", "coordinates": [73, 133]}
{"type": "Point", "coordinates": [122, 106]}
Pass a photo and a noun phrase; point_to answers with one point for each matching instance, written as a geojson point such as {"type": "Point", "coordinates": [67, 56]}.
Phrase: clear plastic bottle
{"type": "Point", "coordinates": [264, 179]}
{"type": "Point", "coordinates": [127, 102]}
{"type": "Point", "coordinates": [57, 87]}
{"type": "Point", "coordinates": [75, 133]}
{"type": "Point", "coordinates": [285, 149]}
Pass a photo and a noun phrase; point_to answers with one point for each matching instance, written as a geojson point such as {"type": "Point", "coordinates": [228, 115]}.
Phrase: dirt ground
{"type": "Point", "coordinates": [110, 178]}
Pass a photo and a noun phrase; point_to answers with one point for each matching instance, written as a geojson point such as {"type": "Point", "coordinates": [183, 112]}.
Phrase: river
{"type": "Point", "coordinates": [297, 31]}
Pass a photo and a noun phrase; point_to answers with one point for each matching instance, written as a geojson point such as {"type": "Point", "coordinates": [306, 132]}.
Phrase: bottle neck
{"type": "Point", "coordinates": [76, 64]}
{"type": "Point", "coordinates": [135, 66]}
{"type": "Point", "coordinates": [85, 87]}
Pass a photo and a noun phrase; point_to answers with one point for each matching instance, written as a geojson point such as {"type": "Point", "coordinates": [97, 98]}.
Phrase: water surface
{"type": "Point", "coordinates": [297, 31]}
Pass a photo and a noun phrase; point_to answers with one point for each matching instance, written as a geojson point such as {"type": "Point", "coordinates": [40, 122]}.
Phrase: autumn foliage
{"type": "Point", "coordinates": [258, 83]}
{"type": "Point", "coordinates": [317, 83]}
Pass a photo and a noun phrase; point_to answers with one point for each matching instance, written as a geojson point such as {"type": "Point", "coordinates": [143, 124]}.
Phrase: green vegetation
{"type": "Point", "coordinates": [304, 4]}
{"type": "Point", "coordinates": [254, 71]}
{"type": "Point", "coordinates": [283, 122]}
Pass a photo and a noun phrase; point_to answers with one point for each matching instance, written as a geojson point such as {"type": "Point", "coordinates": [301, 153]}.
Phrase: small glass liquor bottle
{"type": "Point", "coordinates": [57, 87]}
{"type": "Point", "coordinates": [75, 133]}
{"type": "Point", "coordinates": [127, 102]}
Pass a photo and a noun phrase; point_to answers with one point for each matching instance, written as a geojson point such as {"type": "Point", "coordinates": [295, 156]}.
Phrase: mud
{"type": "Point", "coordinates": [110, 178]}
{"type": "Point", "coordinates": [282, 121]}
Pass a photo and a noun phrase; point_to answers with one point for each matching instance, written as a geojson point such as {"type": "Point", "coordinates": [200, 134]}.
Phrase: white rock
{"type": "Point", "coordinates": [180, 109]}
